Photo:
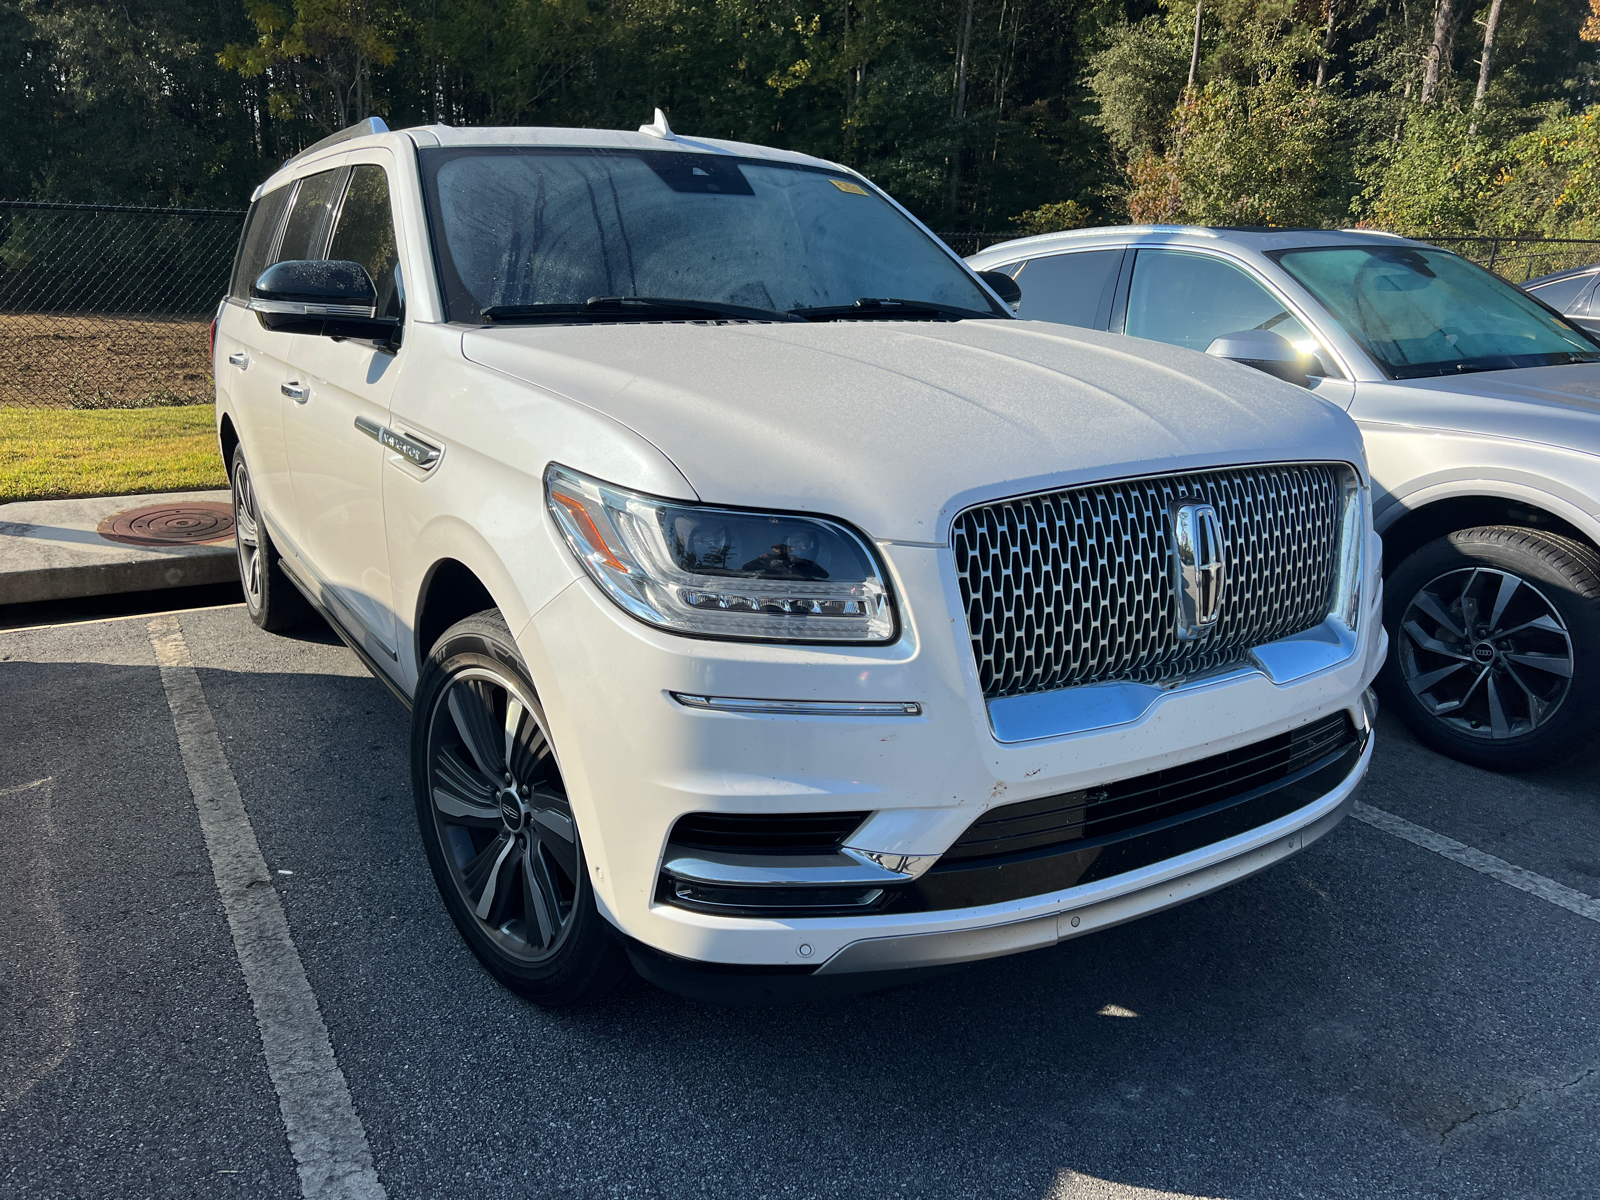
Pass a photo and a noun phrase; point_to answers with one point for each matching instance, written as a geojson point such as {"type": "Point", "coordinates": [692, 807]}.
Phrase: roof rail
{"type": "Point", "coordinates": [1400, 237]}
{"type": "Point", "coordinates": [360, 129]}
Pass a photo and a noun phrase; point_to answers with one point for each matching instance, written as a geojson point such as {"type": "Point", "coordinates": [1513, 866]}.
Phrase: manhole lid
{"type": "Point", "coordinates": [170, 525]}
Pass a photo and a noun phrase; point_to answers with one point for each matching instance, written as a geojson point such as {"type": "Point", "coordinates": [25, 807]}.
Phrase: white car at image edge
{"type": "Point", "coordinates": [778, 615]}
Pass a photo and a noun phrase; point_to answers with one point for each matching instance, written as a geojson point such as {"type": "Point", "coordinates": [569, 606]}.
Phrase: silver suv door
{"type": "Point", "coordinates": [1189, 298]}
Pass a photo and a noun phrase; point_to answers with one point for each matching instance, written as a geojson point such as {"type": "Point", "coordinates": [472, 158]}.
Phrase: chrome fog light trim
{"type": "Point", "coordinates": [800, 708]}
{"type": "Point", "coordinates": [1369, 710]}
{"type": "Point", "coordinates": [909, 865]}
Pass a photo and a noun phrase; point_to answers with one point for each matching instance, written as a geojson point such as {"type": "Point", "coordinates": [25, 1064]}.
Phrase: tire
{"type": "Point", "coordinates": [273, 601]}
{"type": "Point", "coordinates": [1495, 646]}
{"type": "Point", "coordinates": [498, 829]}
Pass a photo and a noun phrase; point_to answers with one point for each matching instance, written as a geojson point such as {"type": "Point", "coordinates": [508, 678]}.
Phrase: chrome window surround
{"type": "Point", "coordinates": [1029, 566]}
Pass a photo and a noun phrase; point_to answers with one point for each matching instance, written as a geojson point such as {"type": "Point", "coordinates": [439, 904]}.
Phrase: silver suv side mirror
{"type": "Point", "coordinates": [331, 298]}
{"type": "Point", "coordinates": [1007, 288]}
{"type": "Point", "coordinates": [1267, 351]}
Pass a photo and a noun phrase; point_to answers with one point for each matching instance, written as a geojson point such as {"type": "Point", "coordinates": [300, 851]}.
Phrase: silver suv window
{"type": "Point", "coordinates": [1069, 289]}
{"type": "Point", "coordinates": [1190, 299]}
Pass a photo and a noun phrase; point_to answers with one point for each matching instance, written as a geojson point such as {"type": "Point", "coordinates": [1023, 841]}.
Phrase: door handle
{"type": "Point", "coordinates": [298, 392]}
{"type": "Point", "coordinates": [239, 359]}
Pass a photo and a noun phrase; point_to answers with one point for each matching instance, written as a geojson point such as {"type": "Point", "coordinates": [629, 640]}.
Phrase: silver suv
{"type": "Point", "coordinates": [1480, 409]}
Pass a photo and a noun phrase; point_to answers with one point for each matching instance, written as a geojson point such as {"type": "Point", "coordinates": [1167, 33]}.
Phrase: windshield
{"type": "Point", "coordinates": [521, 227]}
{"type": "Point", "coordinates": [1430, 312]}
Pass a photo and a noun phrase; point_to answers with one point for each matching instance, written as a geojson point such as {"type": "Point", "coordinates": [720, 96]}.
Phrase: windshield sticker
{"type": "Point", "coordinates": [844, 185]}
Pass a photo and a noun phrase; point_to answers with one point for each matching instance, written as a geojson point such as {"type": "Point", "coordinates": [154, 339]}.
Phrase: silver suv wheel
{"type": "Point", "coordinates": [1485, 652]}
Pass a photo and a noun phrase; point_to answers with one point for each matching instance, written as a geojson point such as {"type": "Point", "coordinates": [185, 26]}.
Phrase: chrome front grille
{"type": "Point", "coordinates": [1073, 587]}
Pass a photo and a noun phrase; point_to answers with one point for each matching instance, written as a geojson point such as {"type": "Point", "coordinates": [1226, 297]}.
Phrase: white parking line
{"type": "Point", "coordinates": [326, 1136]}
{"type": "Point", "coordinates": [1520, 878]}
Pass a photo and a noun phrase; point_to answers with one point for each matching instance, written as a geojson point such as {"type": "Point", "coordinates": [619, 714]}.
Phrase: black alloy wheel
{"type": "Point", "coordinates": [1495, 646]}
{"type": "Point", "coordinates": [499, 829]}
{"type": "Point", "coordinates": [272, 600]}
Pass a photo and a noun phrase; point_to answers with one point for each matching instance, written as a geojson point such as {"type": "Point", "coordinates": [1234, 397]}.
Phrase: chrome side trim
{"type": "Point", "coordinates": [413, 450]}
{"type": "Point", "coordinates": [296, 308]}
{"type": "Point", "coordinates": [800, 708]}
{"type": "Point", "coordinates": [780, 870]}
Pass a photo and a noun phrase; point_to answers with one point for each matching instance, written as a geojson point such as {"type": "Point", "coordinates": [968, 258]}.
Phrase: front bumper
{"type": "Point", "coordinates": [884, 961]}
{"type": "Point", "coordinates": [635, 760]}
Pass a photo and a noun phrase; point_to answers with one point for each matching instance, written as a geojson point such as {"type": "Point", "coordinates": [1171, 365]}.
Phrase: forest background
{"type": "Point", "coordinates": [1447, 116]}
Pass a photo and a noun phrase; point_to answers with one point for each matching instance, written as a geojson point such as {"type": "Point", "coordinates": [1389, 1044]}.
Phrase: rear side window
{"type": "Point", "coordinates": [365, 234]}
{"type": "Point", "coordinates": [1069, 289]}
{"type": "Point", "coordinates": [306, 234]}
{"type": "Point", "coordinates": [260, 228]}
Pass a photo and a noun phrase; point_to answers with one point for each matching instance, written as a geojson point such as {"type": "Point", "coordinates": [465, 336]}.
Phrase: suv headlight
{"type": "Point", "coordinates": [722, 572]}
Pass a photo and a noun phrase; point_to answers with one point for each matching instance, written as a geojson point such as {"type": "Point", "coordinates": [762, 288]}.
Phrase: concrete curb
{"type": "Point", "coordinates": [50, 550]}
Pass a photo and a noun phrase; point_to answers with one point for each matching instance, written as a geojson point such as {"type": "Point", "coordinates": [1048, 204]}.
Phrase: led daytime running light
{"type": "Point", "coordinates": [719, 572]}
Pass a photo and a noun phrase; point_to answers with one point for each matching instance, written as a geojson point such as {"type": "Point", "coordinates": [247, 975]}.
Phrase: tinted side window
{"type": "Point", "coordinates": [1191, 299]}
{"type": "Point", "coordinates": [1560, 294]}
{"type": "Point", "coordinates": [306, 234]}
{"type": "Point", "coordinates": [365, 234]}
{"type": "Point", "coordinates": [260, 227]}
{"type": "Point", "coordinates": [1070, 289]}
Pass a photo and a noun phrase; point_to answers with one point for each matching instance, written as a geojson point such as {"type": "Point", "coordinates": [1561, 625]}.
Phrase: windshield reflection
{"type": "Point", "coordinates": [1424, 312]}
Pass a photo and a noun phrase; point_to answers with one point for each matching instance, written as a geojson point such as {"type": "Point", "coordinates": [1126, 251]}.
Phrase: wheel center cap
{"type": "Point", "coordinates": [513, 811]}
{"type": "Point", "coordinates": [1484, 652]}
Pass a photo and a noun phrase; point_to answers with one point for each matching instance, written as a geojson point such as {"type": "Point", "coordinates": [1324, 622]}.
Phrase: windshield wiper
{"type": "Point", "coordinates": [598, 309]}
{"type": "Point", "coordinates": [887, 308]}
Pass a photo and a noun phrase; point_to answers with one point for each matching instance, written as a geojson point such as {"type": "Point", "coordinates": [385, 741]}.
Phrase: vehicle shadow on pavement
{"type": "Point", "coordinates": [1364, 1019]}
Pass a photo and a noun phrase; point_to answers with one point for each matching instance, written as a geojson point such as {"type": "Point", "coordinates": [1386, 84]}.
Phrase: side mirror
{"type": "Point", "coordinates": [1007, 288]}
{"type": "Point", "coordinates": [1266, 351]}
{"type": "Point", "coordinates": [328, 298]}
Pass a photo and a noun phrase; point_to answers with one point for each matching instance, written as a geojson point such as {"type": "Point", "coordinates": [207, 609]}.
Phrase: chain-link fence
{"type": "Point", "coordinates": [107, 307]}
{"type": "Point", "coordinates": [1524, 257]}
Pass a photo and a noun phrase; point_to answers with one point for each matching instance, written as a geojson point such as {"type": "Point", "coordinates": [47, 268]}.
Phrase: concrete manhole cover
{"type": "Point", "coordinates": [170, 525]}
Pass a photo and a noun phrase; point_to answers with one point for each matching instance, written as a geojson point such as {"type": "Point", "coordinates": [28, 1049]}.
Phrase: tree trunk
{"type": "Point", "coordinates": [1486, 65]}
{"type": "Point", "coordinates": [1437, 66]}
{"type": "Point", "coordinates": [1327, 46]}
{"type": "Point", "coordinates": [1194, 55]}
{"type": "Point", "coordinates": [959, 108]}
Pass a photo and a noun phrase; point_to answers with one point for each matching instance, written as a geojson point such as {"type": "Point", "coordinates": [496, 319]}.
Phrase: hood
{"type": "Point", "coordinates": [896, 426]}
{"type": "Point", "coordinates": [1557, 406]}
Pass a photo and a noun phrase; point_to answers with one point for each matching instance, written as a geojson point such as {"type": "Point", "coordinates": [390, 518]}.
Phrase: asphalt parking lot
{"type": "Point", "coordinates": [1368, 1019]}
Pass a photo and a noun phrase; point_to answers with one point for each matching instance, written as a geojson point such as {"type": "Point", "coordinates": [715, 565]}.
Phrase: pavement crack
{"type": "Point", "coordinates": [1517, 1102]}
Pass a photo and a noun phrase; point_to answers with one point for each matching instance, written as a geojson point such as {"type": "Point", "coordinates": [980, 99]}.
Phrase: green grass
{"type": "Point", "coordinates": [48, 454]}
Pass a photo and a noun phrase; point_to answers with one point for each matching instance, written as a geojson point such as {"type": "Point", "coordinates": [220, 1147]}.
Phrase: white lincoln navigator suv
{"type": "Point", "coordinates": [779, 615]}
